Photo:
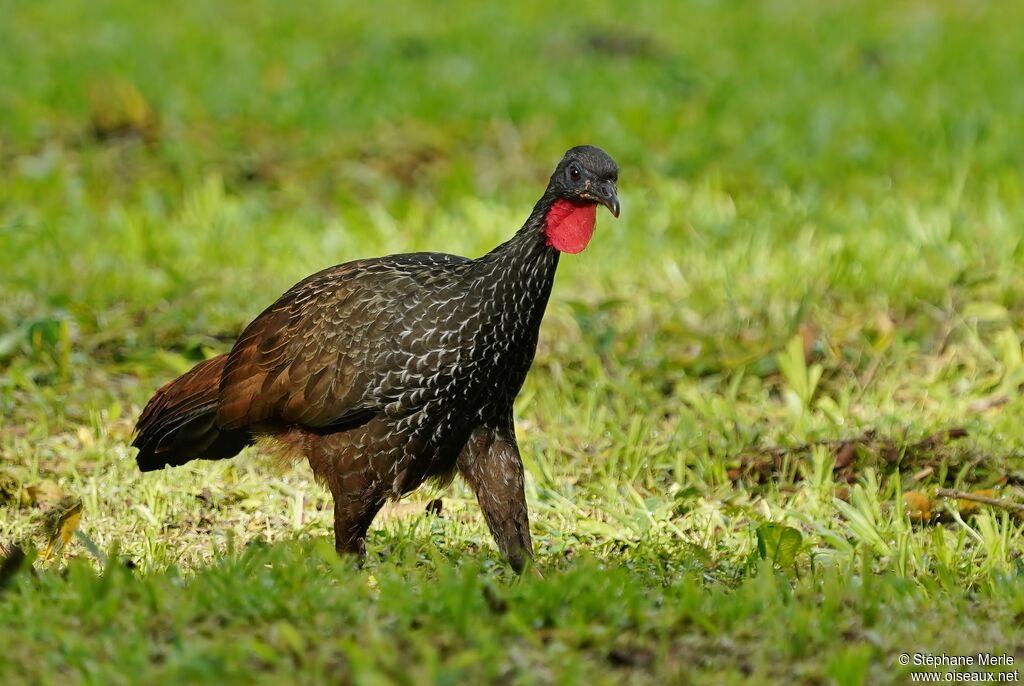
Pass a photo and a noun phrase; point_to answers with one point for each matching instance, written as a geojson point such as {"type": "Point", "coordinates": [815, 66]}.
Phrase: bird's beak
{"type": "Point", "coordinates": [607, 195]}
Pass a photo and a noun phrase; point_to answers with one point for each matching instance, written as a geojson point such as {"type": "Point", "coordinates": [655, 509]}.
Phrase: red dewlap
{"type": "Point", "coordinates": [569, 225]}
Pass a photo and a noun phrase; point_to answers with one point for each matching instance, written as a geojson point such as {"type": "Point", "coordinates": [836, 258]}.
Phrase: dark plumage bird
{"type": "Point", "coordinates": [386, 372]}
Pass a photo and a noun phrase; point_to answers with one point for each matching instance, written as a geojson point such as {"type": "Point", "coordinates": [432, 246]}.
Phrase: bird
{"type": "Point", "coordinates": [385, 373]}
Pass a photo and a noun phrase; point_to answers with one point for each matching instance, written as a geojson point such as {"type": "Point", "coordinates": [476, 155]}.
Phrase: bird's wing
{"type": "Point", "coordinates": [322, 354]}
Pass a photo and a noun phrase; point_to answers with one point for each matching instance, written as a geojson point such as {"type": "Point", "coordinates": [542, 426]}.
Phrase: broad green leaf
{"type": "Point", "coordinates": [778, 543]}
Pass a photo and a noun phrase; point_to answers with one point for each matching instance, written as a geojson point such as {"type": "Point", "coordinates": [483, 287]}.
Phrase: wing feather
{"type": "Point", "coordinates": [318, 356]}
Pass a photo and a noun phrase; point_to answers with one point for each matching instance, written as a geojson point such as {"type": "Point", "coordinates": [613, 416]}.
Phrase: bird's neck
{"type": "Point", "coordinates": [528, 249]}
{"type": "Point", "coordinates": [521, 270]}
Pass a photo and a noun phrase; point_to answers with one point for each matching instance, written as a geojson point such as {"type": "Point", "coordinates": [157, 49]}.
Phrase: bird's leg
{"type": "Point", "coordinates": [353, 515]}
{"type": "Point", "coordinates": [357, 495]}
{"type": "Point", "coordinates": [356, 503]}
{"type": "Point", "coordinates": [490, 463]}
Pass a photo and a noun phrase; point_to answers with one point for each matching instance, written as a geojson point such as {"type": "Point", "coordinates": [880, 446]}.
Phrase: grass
{"type": "Point", "coordinates": [809, 316]}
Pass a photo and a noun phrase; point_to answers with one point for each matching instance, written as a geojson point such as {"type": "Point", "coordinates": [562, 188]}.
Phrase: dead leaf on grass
{"type": "Point", "coordinates": [43, 493]}
{"type": "Point", "coordinates": [59, 524]}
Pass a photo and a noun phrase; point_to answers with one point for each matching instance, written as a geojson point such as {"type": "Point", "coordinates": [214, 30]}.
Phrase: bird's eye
{"type": "Point", "coordinates": [574, 172]}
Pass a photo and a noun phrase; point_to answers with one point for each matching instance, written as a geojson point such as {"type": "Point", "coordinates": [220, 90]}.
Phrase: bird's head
{"type": "Point", "coordinates": [585, 178]}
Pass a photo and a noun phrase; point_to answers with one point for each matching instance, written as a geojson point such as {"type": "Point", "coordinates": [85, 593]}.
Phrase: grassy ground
{"type": "Point", "coordinates": [748, 389]}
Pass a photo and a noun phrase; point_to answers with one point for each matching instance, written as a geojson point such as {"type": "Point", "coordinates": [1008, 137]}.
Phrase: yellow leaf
{"type": "Point", "coordinates": [60, 523]}
{"type": "Point", "coordinates": [119, 108]}
{"type": "Point", "coordinates": [85, 437]}
{"type": "Point", "coordinates": [919, 506]}
{"type": "Point", "coordinates": [969, 506]}
{"type": "Point", "coordinates": [43, 492]}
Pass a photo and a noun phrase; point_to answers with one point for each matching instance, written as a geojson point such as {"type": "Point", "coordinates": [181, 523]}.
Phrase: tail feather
{"type": "Point", "coordinates": [179, 422]}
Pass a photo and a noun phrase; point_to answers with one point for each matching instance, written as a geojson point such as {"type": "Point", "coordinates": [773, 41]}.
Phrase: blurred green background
{"type": "Point", "coordinates": [167, 171]}
{"type": "Point", "coordinates": [820, 240]}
